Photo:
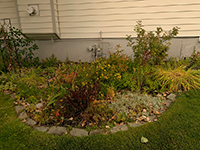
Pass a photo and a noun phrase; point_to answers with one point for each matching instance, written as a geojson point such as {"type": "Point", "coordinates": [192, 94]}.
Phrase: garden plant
{"type": "Point", "coordinates": [101, 94]}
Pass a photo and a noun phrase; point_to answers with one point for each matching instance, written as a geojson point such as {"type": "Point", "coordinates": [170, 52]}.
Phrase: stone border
{"type": "Point", "coordinates": [59, 130]}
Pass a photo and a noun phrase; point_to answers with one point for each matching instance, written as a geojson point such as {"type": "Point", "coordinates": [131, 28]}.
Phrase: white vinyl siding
{"type": "Point", "coordinates": [116, 18]}
{"type": "Point", "coordinates": [8, 10]}
{"type": "Point", "coordinates": [35, 24]}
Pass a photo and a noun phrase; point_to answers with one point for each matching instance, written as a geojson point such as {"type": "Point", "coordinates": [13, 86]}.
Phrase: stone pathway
{"type": "Point", "coordinates": [82, 132]}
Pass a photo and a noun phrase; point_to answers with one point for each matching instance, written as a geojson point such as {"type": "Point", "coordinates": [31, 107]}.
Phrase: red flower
{"type": "Point", "coordinates": [57, 113]}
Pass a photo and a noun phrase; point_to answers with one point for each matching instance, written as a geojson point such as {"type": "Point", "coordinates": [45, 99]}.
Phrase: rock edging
{"type": "Point", "coordinates": [82, 132]}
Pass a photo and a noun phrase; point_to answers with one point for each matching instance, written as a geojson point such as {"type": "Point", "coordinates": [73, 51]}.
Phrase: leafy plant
{"type": "Point", "coordinates": [175, 79]}
{"type": "Point", "coordinates": [194, 60]}
{"type": "Point", "coordinates": [52, 61]}
{"type": "Point", "coordinates": [130, 105]}
{"type": "Point", "coordinates": [151, 47]}
{"type": "Point", "coordinates": [16, 50]}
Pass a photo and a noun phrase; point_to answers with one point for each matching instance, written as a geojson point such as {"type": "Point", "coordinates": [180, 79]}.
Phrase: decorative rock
{"type": "Point", "coordinates": [162, 111]}
{"type": "Point", "coordinates": [167, 102]}
{"type": "Point", "coordinates": [152, 118]}
{"type": "Point", "coordinates": [6, 92]}
{"type": "Point", "coordinates": [57, 130]}
{"type": "Point", "coordinates": [23, 115]}
{"type": "Point", "coordinates": [97, 131]}
{"type": "Point", "coordinates": [42, 128]}
{"type": "Point", "coordinates": [78, 132]}
{"type": "Point", "coordinates": [171, 96]}
{"type": "Point", "coordinates": [134, 124]}
{"type": "Point", "coordinates": [30, 122]}
{"type": "Point", "coordinates": [119, 128]}
{"type": "Point", "coordinates": [13, 96]}
{"type": "Point", "coordinates": [38, 105]}
{"type": "Point", "coordinates": [18, 108]}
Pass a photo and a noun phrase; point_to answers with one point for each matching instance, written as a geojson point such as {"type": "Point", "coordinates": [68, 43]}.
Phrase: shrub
{"type": "Point", "coordinates": [194, 60]}
{"type": "Point", "coordinates": [52, 61]}
{"type": "Point", "coordinates": [17, 50]}
{"type": "Point", "coordinates": [151, 47]}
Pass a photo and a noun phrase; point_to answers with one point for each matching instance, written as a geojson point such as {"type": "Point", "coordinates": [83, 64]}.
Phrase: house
{"type": "Point", "coordinates": [71, 28]}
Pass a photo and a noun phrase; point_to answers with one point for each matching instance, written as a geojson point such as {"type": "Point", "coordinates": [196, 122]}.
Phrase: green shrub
{"type": "Point", "coordinates": [151, 47]}
{"type": "Point", "coordinates": [52, 61]}
{"type": "Point", "coordinates": [16, 50]}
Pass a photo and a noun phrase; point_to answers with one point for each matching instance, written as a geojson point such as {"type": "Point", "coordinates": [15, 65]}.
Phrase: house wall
{"type": "Point", "coordinates": [116, 18]}
{"type": "Point", "coordinates": [8, 10]}
{"type": "Point", "coordinates": [76, 49]}
{"type": "Point", "coordinates": [35, 24]}
{"type": "Point", "coordinates": [79, 23]}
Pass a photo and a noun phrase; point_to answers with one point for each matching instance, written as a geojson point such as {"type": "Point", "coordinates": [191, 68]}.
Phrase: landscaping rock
{"type": "Point", "coordinates": [119, 128]}
{"type": "Point", "coordinates": [23, 115]}
{"type": "Point", "coordinates": [18, 108]}
{"type": "Point", "coordinates": [97, 131]}
{"type": "Point", "coordinates": [42, 128]}
{"type": "Point", "coordinates": [152, 118]}
{"type": "Point", "coordinates": [57, 130]}
{"type": "Point", "coordinates": [13, 96]}
{"type": "Point", "coordinates": [167, 102]}
{"type": "Point", "coordinates": [162, 111]}
{"type": "Point", "coordinates": [78, 132]}
{"type": "Point", "coordinates": [135, 124]}
{"type": "Point", "coordinates": [6, 92]}
{"type": "Point", "coordinates": [39, 105]}
{"type": "Point", "coordinates": [30, 122]}
{"type": "Point", "coordinates": [171, 96]}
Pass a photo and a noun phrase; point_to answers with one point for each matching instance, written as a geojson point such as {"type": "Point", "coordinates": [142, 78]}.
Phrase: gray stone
{"type": "Point", "coordinates": [135, 124]}
{"type": "Point", "coordinates": [30, 122]}
{"type": "Point", "coordinates": [13, 96]}
{"type": "Point", "coordinates": [162, 111]}
{"type": "Point", "coordinates": [152, 118]}
{"type": "Point", "coordinates": [97, 131]}
{"type": "Point", "coordinates": [23, 115]}
{"type": "Point", "coordinates": [6, 92]}
{"type": "Point", "coordinates": [78, 132]}
{"type": "Point", "coordinates": [167, 102]}
{"type": "Point", "coordinates": [42, 128]}
{"type": "Point", "coordinates": [119, 128]}
{"type": "Point", "coordinates": [18, 108]}
{"type": "Point", "coordinates": [57, 130]}
{"type": "Point", "coordinates": [38, 105]}
{"type": "Point", "coordinates": [171, 96]}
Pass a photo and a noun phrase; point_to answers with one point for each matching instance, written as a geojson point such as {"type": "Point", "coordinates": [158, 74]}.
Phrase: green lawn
{"type": "Point", "coordinates": [178, 128]}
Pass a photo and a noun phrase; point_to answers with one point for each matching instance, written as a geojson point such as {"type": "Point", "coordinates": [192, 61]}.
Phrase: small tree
{"type": "Point", "coordinates": [151, 47]}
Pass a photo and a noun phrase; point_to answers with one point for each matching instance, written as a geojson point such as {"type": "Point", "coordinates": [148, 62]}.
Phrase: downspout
{"type": "Point", "coordinates": [17, 11]}
{"type": "Point", "coordinates": [53, 16]}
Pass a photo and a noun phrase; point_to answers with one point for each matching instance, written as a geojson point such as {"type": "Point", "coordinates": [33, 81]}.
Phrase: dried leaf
{"type": "Point", "coordinates": [71, 118]}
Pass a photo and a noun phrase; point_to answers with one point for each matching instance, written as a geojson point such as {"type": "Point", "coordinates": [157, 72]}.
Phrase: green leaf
{"type": "Point", "coordinates": [144, 140]}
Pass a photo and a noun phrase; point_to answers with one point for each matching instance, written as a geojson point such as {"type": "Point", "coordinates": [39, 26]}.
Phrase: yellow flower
{"type": "Point", "coordinates": [102, 74]}
{"type": "Point", "coordinates": [86, 75]}
{"type": "Point", "coordinates": [97, 78]}
{"type": "Point", "coordinates": [61, 100]}
{"type": "Point", "coordinates": [119, 77]}
{"type": "Point", "coordinates": [83, 83]}
{"type": "Point", "coordinates": [106, 77]}
{"type": "Point", "coordinates": [108, 65]}
{"type": "Point", "coordinates": [102, 95]}
{"type": "Point", "coordinates": [104, 70]}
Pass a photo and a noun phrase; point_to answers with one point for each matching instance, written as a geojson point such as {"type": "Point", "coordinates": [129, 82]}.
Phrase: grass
{"type": "Point", "coordinates": [178, 128]}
